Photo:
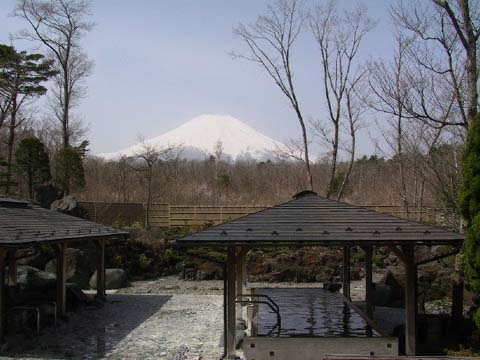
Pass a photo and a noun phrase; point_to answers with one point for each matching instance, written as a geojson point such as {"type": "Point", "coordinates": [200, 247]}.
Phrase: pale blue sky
{"type": "Point", "coordinates": [161, 63]}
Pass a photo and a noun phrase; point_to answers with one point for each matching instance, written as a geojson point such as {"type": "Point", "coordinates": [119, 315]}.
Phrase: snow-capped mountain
{"type": "Point", "coordinates": [205, 135]}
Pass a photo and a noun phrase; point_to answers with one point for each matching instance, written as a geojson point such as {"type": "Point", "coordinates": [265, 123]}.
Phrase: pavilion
{"type": "Point", "coordinates": [311, 220]}
{"type": "Point", "coordinates": [23, 225]}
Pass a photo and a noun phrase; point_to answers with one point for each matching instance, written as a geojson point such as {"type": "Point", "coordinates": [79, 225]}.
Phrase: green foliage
{"type": "Point", "coordinates": [69, 172]}
{"type": "Point", "coordinates": [469, 201]}
{"type": "Point", "coordinates": [22, 73]}
{"type": "Point", "coordinates": [472, 254]}
{"type": "Point", "coordinates": [358, 256]}
{"type": "Point", "coordinates": [379, 260]}
{"type": "Point", "coordinates": [33, 162]}
{"type": "Point", "coordinates": [223, 181]}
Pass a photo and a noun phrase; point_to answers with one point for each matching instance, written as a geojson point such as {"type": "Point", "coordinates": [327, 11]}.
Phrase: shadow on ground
{"type": "Point", "coordinates": [91, 332]}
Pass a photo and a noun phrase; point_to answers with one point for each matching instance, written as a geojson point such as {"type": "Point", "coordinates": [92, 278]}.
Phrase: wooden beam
{"type": "Point", "coordinates": [12, 267]}
{"type": "Point", "coordinates": [3, 308]}
{"type": "Point", "coordinates": [100, 245]}
{"type": "Point", "coordinates": [231, 296]}
{"type": "Point", "coordinates": [346, 272]}
{"type": "Point", "coordinates": [410, 301]}
{"type": "Point", "coordinates": [369, 280]}
{"type": "Point", "coordinates": [61, 279]}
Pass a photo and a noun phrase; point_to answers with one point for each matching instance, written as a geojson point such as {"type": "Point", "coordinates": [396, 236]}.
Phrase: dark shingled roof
{"type": "Point", "coordinates": [23, 224]}
{"type": "Point", "coordinates": [312, 219]}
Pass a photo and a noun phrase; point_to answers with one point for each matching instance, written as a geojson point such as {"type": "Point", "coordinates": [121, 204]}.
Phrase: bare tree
{"type": "Point", "coordinates": [270, 43]}
{"type": "Point", "coordinates": [444, 69]}
{"type": "Point", "coordinates": [59, 25]}
{"type": "Point", "coordinates": [387, 94]}
{"type": "Point", "coordinates": [339, 38]}
{"type": "Point", "coordinates": [144, 161]}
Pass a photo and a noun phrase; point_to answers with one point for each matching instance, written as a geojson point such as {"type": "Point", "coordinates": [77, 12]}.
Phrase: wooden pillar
{"type": "Point", "coordinates": [241, 275]}
{"type": "Point", "coordinates": [410, 301]}
{"type": "Point", "coordinates": [101, 293]}
{"type": "Point", "coordinates": [61, 279]}
{"type": "Point", "coordinates": [3, 307]}
{"type": "Point", "coordinates": [369, 280]}
{"type": "Point", "coordinates": [231, 317]}
{"type": "Point", "coordinates": [346, 272]}
{"type": "Point", "coordinates": [369, 286]}
{"type": "Point", "coordinates": [457, 292]}
{"type": "Point", "coordinates": [12, 267]}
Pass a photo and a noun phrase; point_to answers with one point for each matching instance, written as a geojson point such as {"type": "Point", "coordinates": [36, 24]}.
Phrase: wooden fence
{"type": "Point", "coordinates": [164, 215]}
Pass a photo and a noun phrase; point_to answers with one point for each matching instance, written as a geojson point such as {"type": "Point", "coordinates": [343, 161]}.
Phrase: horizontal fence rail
{"type": "Point", "coordinates": [165, 215]}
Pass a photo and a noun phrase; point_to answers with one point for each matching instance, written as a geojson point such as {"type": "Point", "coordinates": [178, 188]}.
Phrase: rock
{"type": "Point", "coordinates": [394, 279]}
{"type": "Point", "coordinates": [332, 287]}
{"type": "Point", "coordinates": [114, 279]}
{"type": "Point", "coordinates": [68, 205]}
{"type": "Point", "coordinates": [79, 267]}
{"type": "Point", "coordinates": [382, 295]}
{"type": "Point", "coordinates": [75, 296]}
{"type": "Point", "coordinates": [31, 278]}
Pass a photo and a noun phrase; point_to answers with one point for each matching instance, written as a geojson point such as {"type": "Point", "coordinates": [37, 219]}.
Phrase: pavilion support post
{"type": "Point", "coordinates": [241, 277]}
{"type": "Point", "coordinates": [457, 292]}
{"type": "Point", "coordinates": [369, 280]}
{"type": "Point", "coordinates": [61, 279]}
{"type": "Point", "coordinates": [346, 272]}
{"type": "Point", "coordinates": [3, 307]}
{"type": "Point", "coordinates": [101, 293]}
{"type": "Point", "coordinates": [12, 267]}
{"type": "Point", "coordinates": [410, 301]}
{"type": "Point", "coordinates": [231, 295]}
{"type": "Point", "coordinates": [369, 285]}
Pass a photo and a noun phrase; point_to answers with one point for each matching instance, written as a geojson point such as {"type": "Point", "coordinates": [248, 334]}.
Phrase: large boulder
{"type": "Point", "coordinates": [382, 295]}
{"type": "Point", "coordinates": [395, 280]}
{"type": "Point", "coordinates": [79, 267]}
{"type": "Point", "coordinates": [68, 205]}
{"type": "Point", "coordinates": [114, 279]}
{"type": "Point", "coordinates": [30, 278]}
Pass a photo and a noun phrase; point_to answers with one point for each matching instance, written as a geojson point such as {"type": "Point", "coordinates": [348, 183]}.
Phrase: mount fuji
{"type": "Point", "coordinates": [208, 135]}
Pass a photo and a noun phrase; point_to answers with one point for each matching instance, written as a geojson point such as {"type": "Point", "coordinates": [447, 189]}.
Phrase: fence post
{"type": "Point", "coordinates": [169, 216]}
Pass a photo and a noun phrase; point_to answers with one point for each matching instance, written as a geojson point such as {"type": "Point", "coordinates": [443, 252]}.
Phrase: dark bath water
{"type": "Point", "coordinates": [309, 312]}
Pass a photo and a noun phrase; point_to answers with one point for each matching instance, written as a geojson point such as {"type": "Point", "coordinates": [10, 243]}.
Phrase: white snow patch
{"type": "Point", "coordinates": [201, 136]}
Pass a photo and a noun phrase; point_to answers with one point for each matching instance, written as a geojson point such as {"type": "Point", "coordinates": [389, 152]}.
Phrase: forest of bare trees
{"type": "Point", "coordinates": [420, 100]}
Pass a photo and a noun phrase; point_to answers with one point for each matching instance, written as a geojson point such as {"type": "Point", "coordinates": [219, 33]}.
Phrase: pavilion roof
{"type": "Point", "coordinates": [23, 224]}
{"type": "Point", "coordinates": [312, 219]}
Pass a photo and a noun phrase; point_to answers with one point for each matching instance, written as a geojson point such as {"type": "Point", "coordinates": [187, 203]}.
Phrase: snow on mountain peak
{"type": "Point", "coordinates": [201, 136]}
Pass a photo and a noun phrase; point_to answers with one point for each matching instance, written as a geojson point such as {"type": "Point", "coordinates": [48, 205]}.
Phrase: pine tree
{"type": "Point", "coordinates": [33, 162]}
{"type": "Point", "coordinates": [469, 201]}
{"type": "Point", "coordinates": [21, 78]}
{"type": "Point", "coordinates": [69, 172]}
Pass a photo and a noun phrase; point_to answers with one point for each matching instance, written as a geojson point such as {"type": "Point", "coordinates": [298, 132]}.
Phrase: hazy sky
{"type": "Point", "coordinates": [160, 63]}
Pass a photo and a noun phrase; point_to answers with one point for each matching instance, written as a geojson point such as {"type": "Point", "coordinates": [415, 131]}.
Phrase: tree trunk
{"type": "Point", "coordinates": [305, 147]}
{"type": "Point", "coordinates": [334, 162]}
{"type": "Point", "coordinates": [472, 71]}
{"type": "Point", "coordinates": [11, 144]}
{"type": "Point", "coordinates": [66, 106]}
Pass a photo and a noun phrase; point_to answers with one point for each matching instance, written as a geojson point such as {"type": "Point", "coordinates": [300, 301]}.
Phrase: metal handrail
{"type": "Point", "coordinates": [269, 302]}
